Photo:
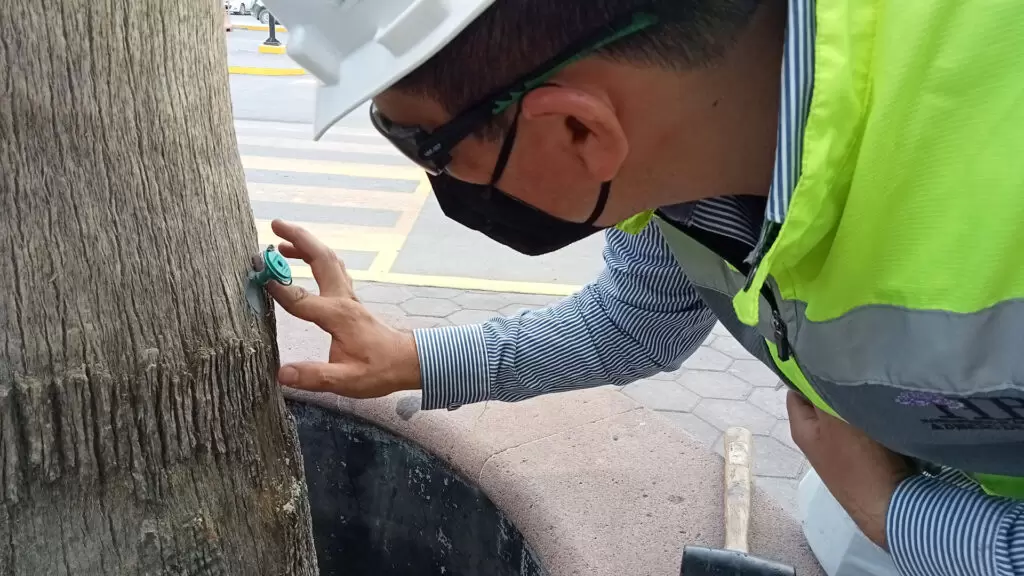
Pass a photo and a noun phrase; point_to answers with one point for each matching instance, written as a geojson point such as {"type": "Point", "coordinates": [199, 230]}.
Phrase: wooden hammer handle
{"type": "Point", "coordinates": [738, 481]}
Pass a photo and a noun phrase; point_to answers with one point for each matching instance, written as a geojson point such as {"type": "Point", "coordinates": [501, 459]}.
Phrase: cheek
{"type": "Point", "coordinates": [545, 179]}
{"type": "Point", "coordinates": [473, 161]}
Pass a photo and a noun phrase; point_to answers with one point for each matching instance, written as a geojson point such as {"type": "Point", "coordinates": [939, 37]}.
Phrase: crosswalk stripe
{"type": "Point", "coordinates": [303, 272]}
{"type": "Point", "coordinates": [328, 167]}
{"type": "Point", "coordinates": [383, 242]}
{"type": "Point", "coordinates": [342, 197]}
{"type": "Point", "coordinates": [305, 131]}
{"type": "Point", "coordinates": [296, 144]}
{"type": "Point", "coordinates": [340, 237]}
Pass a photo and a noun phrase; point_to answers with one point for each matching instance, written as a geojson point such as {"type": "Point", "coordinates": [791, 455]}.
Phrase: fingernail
{"type": "Point", "coordinates": [288, 376]}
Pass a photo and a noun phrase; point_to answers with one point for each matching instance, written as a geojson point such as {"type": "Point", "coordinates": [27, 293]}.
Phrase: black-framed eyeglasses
{"type": "Point", "coordinates": [432, 150]}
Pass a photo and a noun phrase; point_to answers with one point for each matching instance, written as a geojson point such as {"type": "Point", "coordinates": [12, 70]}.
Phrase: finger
{"type": "Point", "coordinates": [289, 251]}
{"type": "Point", "coordinates": [300, 303]}
{"type": "Point", "coordinates": [316, 377]}
{"type": "Point", "coordinates": [328, 270]}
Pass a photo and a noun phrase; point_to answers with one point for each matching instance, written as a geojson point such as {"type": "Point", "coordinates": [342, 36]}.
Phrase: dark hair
{"type": "Point", "coordinates": [513, 37]}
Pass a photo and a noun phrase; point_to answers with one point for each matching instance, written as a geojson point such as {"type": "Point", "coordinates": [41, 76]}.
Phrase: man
{"type": "Point", "coordinates": [854, 225]}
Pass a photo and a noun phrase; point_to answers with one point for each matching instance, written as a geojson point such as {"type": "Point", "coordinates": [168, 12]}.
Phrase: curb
{"type": "Point", "coordinates": [596, 483]}
{"type": "Point", "coordinates": [258, 27]}
{"type": "Point", "coordinates": [261, 71]}
{"type": "Point", "coordinates": [265, 49]}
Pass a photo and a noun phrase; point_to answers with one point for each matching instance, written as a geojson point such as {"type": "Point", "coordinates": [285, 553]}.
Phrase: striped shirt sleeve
{"type": "Point", "coordinates": [640, 317]}
{"type": "Point", "coordinates": [946, 526]}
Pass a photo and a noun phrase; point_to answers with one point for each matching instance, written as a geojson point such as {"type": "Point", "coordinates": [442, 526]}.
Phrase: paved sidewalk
{"type": "Point", "coordinates": [719, 386]}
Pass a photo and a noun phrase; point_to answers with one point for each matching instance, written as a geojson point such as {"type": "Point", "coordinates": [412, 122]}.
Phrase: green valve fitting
{"type": "Point", "coordinates": [275, 267]}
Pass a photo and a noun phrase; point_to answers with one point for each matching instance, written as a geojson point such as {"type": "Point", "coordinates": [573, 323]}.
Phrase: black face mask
{"type": "Point", "coordinates": [507, 219]}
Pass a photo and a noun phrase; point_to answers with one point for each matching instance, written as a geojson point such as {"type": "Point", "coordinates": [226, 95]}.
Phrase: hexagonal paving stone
{"type": "Point", "coordinates": [707, 359]}
{"type": "Point", "coordinates": [463, 317]}
{"type": "Point", "coordinates": [661, 395]}
{"type": "Point", "coordinates": [725, 413]}
{"type": "Point", "coordinates": [382, 293]}
{"type": "Point", "coordinates": [422, 323]}
{"type": "Point", "coordinates": [699, 429]}
{"type": "Point", "coordinates": [534, 300]}
{"type": "Point", "coordinates": [755, 372]}
{"type": "Point", "coordinates": [386, 312]}
{"type": "Point", "coordinates": [784, 491]}
{"type": "Point", "coordinates": [772, 458]}
{"type": "Point", "coordinates": [771, 401]}
{"type": "Point", "coordinates": [516, 309]}
{"type": "Point", "coordinates": [431, 292]}
{"type": "Point", "coordinates": [720, 330]}
{"type": "Point", "coordinates": [668, 376]}
{"type": "Point", "coordinates": [715, 385]}
{"type": "Point", "coordinates": [483, 300]}
{"type": "Point", "coordinates": [433, 307]}
{"type": "Point", "coordinates": [731, 348]}
{"type": "Point", "coordinates": [782, 433]}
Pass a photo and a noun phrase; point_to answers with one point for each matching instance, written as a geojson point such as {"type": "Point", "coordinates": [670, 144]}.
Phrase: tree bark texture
{"type": "Point", "coordinates": [141, 430]}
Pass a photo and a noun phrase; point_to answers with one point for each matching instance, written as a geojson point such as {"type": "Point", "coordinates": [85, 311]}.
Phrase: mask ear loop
{"type": "Point", "coordinates": [506, 152]}
{"type": "Point", "coordinates": [602, 202]}
{"type": "Point", "coordinates": [506, 147]}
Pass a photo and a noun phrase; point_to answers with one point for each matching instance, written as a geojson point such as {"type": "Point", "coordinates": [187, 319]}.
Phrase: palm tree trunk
{"type": "Point", "coordinates": [141, 430]}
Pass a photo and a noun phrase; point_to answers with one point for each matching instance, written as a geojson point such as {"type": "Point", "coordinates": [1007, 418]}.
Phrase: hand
{"type": "Point", "coordinates": [368, 359]}
{"type": "Point", "coordinates": [860, 473]}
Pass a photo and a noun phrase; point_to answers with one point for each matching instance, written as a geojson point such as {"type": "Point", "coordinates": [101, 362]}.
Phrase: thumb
{"type": "Point", "coordinates": [800, 409]}
{"type": "Point", "coordinates": [803, 420]}
{"type": "Point", "coordinates": [316, 377]}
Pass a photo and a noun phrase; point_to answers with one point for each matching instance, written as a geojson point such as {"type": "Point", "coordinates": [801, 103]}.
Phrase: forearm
{"type": "Point", "coordinates": [639, 318]}
{"type": "Point", "coordinates": [945, 527]}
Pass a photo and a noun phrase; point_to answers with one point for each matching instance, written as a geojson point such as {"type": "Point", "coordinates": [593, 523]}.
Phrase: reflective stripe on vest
{"type": "Point", "coordinates": [899, 271]}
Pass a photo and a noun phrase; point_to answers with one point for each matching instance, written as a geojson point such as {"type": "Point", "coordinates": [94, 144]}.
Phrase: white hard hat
{"type": "Point", "coordinates": [359, 48]}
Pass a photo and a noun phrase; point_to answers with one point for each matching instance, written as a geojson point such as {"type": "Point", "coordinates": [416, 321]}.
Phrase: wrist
{"type": "Point", "coordinates": [872, 520]}
{"type": "Point", "coordinates": [406, 373]}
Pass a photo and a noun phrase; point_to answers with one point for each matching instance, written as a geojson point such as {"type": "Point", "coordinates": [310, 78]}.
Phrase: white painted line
{"type": "Point", "coordinates": [339, 168]}
{"type": "Point", "coordinates": [383, 149]}
{"type": "Point", "coordinates": [342, 197]}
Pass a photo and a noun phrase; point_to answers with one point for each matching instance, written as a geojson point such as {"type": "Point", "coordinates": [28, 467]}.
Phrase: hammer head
{"type": "Point", "coordinates": [699, 561]}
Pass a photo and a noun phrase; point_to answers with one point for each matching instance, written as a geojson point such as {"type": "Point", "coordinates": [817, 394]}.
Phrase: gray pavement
{"type": "Point", "coordinates": [721, 385]}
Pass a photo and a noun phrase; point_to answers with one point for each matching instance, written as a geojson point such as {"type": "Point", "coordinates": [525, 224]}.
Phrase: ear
{"type": "Point", "coordinates": [592, 128]}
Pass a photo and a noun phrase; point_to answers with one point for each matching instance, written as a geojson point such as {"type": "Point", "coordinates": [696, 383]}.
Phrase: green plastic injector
{"type": "Point", "coordinates": [268, 266]}
{"type": "Point", "coordinates": [275, 267]}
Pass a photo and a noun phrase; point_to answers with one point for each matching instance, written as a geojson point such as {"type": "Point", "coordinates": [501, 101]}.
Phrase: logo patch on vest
{"type": "Point", "coordinates": [996, 413]}
{"type": "Point", "coordinates": [921, 399]}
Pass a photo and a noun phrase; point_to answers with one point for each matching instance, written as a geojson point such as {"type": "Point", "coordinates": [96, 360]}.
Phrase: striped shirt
{"type": "Point", "coordinates": [641, 316]}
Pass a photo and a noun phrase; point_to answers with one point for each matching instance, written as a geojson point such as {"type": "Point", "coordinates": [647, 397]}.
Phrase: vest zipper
{"type": "Point", "coordinates": [781, 341]}
{"type": "Point", "coordinates": [778, 326]}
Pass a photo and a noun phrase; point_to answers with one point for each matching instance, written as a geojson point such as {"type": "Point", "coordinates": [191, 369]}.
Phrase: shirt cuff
{"type": "Point", "coordinates": [453, 366]}
{"type": "Point", "coordinates": [939, 528]}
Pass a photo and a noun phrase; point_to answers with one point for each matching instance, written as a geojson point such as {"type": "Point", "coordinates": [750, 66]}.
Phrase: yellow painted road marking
{"type": "Point", "coordinates": [385, 260]}
{"type": "Point", "coordinates": [340, 237]}
{"type": "Point", "coordinates": [455, 282]}
{"type": "Point", "coordinates": [267, 49]}
{"type": "Point", "coordinates": [260, 71]}
{"type": "Point", "coordinates": [258, 27]}
{"type": "Point", "coordinates": [328, 167]}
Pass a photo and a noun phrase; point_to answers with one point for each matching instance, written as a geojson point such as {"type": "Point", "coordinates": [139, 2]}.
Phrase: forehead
{"type": "Point", "coordinates": [410, 109]}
